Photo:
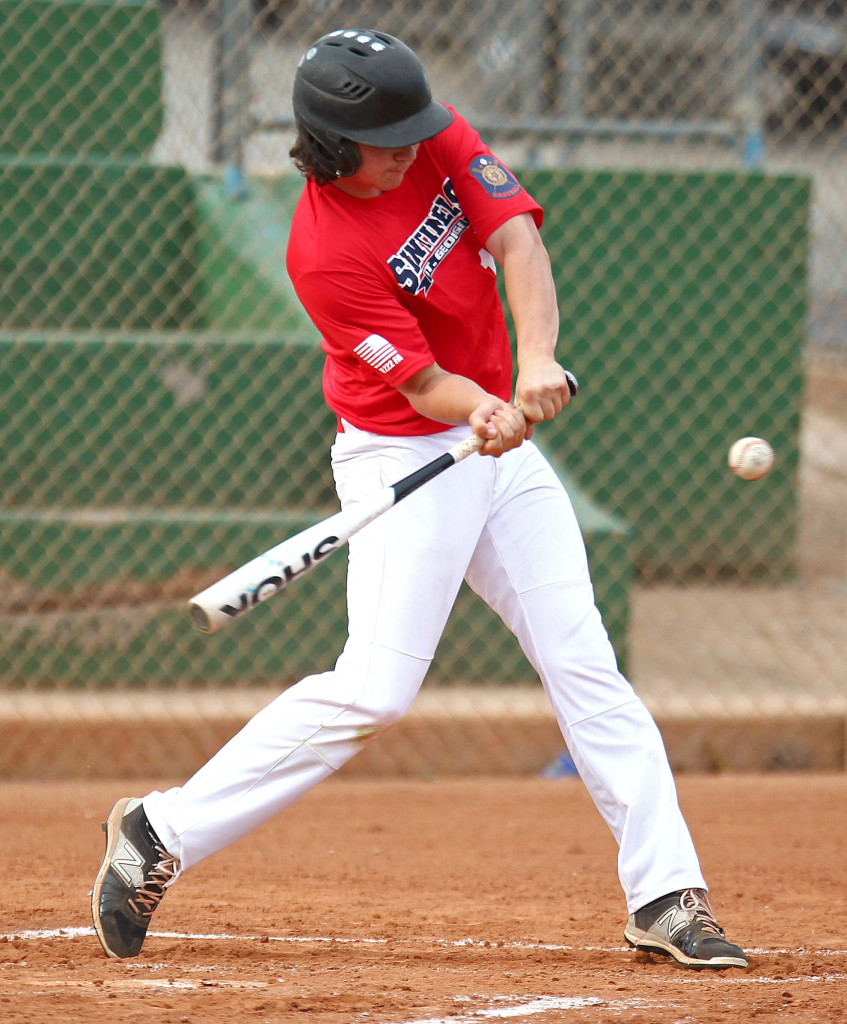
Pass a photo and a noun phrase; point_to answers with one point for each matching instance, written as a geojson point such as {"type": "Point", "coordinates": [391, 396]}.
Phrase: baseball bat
{"type": "Point", "coordinates": [286, 562]}
{"type": "Point", "coordinates": [272, 571]}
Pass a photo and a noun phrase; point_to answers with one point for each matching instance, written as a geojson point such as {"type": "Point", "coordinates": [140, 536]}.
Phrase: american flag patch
{"type": "Point", "coordinates": [379, 353]}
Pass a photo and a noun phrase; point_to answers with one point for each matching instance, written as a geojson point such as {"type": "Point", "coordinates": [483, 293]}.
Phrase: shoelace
{"type": "Point", "coordinates": [697, 901]}
{"type": "Point", "coordinates": [149, 894]}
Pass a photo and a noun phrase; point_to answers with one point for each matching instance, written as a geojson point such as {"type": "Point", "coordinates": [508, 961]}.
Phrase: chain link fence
{"type": "Point", "coordinates": [161, 415]}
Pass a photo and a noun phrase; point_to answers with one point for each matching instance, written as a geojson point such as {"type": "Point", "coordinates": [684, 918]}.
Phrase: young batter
{"type": "Point", "coordinates": [394, 249]}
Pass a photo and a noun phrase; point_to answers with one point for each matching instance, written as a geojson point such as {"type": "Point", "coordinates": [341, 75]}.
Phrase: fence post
{"type": "Point", "coordinates": [748, 68]}
{"type": "Point", "coordinates": [576, 48]}
{"type": "Point", "coordinates": [231, 91]}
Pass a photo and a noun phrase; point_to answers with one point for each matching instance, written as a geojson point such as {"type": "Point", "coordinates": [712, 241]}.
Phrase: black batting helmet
{"type": "Point", "coordinates": [359, 85]}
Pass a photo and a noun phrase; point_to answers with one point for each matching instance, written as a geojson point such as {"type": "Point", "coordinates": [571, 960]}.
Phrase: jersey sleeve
{"type": "Point", "coordinates": [488, 192]}
{"type": "Point", "coordinates": [366, 324]}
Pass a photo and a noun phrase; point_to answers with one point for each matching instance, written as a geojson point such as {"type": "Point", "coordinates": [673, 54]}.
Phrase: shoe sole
{"type": "Point", "coordinates": [648, 943]}
{"type": "Point", "coordinates": [112, 827]}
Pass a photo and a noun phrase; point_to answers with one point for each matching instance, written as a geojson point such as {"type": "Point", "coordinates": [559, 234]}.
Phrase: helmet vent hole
{"type": "Point", "coordinates": [355, 90]}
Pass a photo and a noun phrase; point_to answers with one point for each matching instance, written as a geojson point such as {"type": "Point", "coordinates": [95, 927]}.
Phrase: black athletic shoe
{"type": "Point", "coordinates": [132, 879]}
{"type": "Point", "coordinates": [683, 926]}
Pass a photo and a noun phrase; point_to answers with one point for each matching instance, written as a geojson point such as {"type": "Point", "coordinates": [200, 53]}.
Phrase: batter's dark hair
{"type": "Point", "coordinates": [311, 157]}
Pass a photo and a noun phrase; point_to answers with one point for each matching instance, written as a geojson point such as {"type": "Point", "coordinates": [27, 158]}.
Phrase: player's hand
{"type": "Point", "coordinates": [503, 426]}
{"type": "Point", "coordinates": [542, 390]}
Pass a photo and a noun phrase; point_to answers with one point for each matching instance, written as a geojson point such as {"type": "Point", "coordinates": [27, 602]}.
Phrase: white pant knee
{"type": "Point", "coordinates": [370, 689]}
{"type": "Point", "coordinates": [299, 739]}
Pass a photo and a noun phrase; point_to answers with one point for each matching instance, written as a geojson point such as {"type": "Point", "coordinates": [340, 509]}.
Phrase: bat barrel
{"type": "Point", "coordinates": [260, 579]}
{"type": "Point", "coordinates": [281, 565]}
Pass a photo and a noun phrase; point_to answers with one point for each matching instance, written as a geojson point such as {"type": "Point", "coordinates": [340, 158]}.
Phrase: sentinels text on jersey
{"type": "Point", "coordinates": [418, 259]}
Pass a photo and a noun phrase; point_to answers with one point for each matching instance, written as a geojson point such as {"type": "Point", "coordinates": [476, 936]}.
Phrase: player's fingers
{"type": "Point", "coordinates": [510, 416]}
{"type": "Point", "coordinates": [482, 423]}
{"type": "Point", "coordinates": [512, 423]}
{"type": "Point", "coordinates": [511, 427]}
{"type": "Point", "coordinates": [541, 408]}
{"type": "Point", "coordinates": [487, 431]}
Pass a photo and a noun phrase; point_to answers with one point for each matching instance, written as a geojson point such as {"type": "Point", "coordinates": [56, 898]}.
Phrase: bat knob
{"type": "Point", "coordinates": [573, 383]}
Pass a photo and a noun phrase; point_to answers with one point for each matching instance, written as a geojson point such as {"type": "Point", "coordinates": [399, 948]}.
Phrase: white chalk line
{"type": "Point", "coordinates": [522, 1008]}
{"type": "Point", "coordinates": [517, 1007]}
{"type": "Point", "coordinates": [84, 932]}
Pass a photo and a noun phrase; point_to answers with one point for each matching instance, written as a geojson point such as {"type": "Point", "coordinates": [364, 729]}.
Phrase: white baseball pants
{"type": "Point", "coordinates": [507, 526]}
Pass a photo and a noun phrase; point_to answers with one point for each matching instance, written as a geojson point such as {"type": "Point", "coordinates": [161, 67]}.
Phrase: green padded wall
{"type": "Point", "coordinates": [96, 244]}
{"type": "Point", "coordinates": [164, 422]}
{"type": "Point", "coordinates": [79, 77]}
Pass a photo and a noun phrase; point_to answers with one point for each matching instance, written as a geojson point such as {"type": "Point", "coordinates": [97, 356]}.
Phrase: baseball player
{"type": "Point", "coordinates": [405, 220]}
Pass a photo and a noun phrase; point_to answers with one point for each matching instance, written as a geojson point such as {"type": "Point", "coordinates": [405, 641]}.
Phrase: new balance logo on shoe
{"type": "Point", "coordinates": [672, 923]}
{"type": "Point", "coordinates": [128, 864]}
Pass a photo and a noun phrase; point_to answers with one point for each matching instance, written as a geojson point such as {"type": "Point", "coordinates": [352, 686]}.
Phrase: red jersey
{"type": "Point", "coordinates": [403, 280]}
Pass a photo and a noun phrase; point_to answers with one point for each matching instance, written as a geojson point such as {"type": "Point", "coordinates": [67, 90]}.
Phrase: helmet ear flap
{"type": "Point", "coordinates": [348, 158]}
{"type": "Point", "coordinates": [337, 156]}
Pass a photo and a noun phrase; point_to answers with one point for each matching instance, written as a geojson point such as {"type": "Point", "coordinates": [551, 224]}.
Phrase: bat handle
{"type": "Point", "coordinates": [465, 448]}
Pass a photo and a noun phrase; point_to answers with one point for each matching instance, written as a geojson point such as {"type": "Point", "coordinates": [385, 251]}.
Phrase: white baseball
{"type": "Point", "coordinates": [751, 458]}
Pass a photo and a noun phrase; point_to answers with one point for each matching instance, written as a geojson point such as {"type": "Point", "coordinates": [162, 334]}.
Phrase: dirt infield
{"type": "Point", "coordinates": [392, 902]}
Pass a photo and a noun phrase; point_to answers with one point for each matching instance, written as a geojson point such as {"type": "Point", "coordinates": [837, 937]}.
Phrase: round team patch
{"type": "Point", "coordinates": [497, 181]}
